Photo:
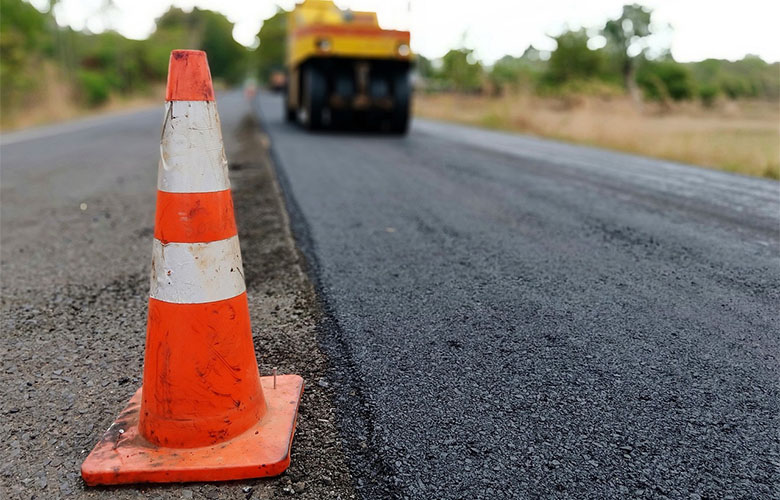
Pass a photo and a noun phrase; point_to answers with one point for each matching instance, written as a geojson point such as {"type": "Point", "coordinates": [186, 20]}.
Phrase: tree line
{"type": "Point", "coordinates": [626, 61]}
{"type": "Point", "coordinates": [615, 58]}
{"type": "Point", "coordinates": [97, 66]}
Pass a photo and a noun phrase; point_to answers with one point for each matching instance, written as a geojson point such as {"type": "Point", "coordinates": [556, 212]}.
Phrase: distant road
{"type": "Point", "coordinates": [511, 317]}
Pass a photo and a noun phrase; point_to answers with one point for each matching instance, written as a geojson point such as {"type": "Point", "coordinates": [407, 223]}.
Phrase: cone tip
{"type": "Point", "coordinates": [189, 78]}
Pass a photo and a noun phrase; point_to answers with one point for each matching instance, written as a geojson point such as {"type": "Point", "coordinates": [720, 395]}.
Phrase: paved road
{"type": "Point", "coordinates": [510, 317]}
{"type": "Point", "coordinates": [77, 214]}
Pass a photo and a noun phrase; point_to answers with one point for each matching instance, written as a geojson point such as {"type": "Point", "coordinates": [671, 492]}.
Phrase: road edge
{"type": "Point", "coordinates": [371, 472]}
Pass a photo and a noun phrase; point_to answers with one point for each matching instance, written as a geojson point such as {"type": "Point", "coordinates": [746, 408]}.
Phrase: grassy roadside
{"type": "Point", "coordinates": [65, 112]}
{"type": "Point", "coordinates": [56, 101]}
{"type": "Point", "coordinates": [57, 107]}
{"type": "Point", "coordinates": [741, 137]}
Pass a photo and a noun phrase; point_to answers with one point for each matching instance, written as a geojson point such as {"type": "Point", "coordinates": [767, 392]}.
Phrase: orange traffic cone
{"type": "Point", "coordinates": [203, 413]}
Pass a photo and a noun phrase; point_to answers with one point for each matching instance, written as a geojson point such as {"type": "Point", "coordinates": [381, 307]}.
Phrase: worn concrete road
{"type": "Point", "coordinates": [77, 213]}
{"type": "Point", "coordinates": [510, 317]}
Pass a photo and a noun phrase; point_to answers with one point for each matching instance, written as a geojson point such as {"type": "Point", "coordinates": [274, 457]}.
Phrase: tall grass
{"type": "Point", "coordinates": [56, 100]}
{"type": "Point", "coordinates": [740, 137]}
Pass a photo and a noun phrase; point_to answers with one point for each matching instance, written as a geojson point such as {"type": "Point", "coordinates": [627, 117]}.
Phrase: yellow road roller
{"type": "Point", "coordinates": [346, 71]}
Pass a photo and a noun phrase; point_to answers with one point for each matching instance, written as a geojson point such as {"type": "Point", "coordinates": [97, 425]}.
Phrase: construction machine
{"type": "Point", "coordinates": [345, 70]}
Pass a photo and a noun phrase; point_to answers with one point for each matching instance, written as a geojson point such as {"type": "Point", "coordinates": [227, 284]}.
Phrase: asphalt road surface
{"type": "Point", "coordinates": [77, 213]}
{"type": "Point", "coordinates": [502, 316]}
{"type": "Point", "coordinates": [510, 317]}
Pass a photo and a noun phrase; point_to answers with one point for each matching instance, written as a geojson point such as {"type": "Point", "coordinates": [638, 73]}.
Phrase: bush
{"type": "Point", "coordinates": [512, 73]}
{"type": "Point", "coordinates": [736, 86]}
{"type": "Point", "coordinates": [22, 40]}
{"type": "Point", "coordinates": [95, 87]}
{"type": "Point", "coordinates": [708, 93]}
{"type": "Point", "coordinates": [591, 87]}
{"type": "Point", "coordinates": [663, 80]}
{"type": "Point", "coordinates": [461, 70]}
{"type": "Point", "coordinates": [269, 56]}
{"type": "Point", "coordinates": [749, 77]}
{"type": "Point", "coordinates": [573, 60]}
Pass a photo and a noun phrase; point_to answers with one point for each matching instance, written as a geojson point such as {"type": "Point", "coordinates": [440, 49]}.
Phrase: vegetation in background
{"type": "Point", "coordinates": [588, 88]}
{"type": "Point", "coordinates": [516, 73]}
{"type": "Point", "coordinates": [269, 56]}
{"type": "Point", "coordinates": [664, 80]}
{"type": "Point", "coordinates": [38, 57]}
{"type": "Point", "coordinates": [44, 67]}
{"type": "Point", "coordinates": [623, 64]}
{"type": "Point", "coordinates": [738, 137]}
{"type": "Point", "coordinates": [573, 61]}
{"type": "Point", "coordinates": [98, 66]}
{"type": "Point", "coordinates": [23, 44]}
{"type": "Point", "coordinates": [465, 68]}
{"type": "Point", "coordinates": [626, 41]}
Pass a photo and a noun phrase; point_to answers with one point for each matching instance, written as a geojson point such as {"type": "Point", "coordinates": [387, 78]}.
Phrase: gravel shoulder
{"type": "Point", "coordinates": [74, 288]}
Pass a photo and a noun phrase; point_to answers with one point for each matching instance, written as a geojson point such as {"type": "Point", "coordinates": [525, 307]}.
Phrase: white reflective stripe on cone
{"type": "Point", "coordinates": [192, 158]}
{"type": "Point", "coordinates": [194, 273]}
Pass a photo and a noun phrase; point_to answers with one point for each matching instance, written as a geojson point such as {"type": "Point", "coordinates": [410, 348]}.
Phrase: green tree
{"type": "Point", "coordinates": [461, 70]}
{"type": "Point", "coordinates": [626, 37]}
{"type": "Point", "coordinates": [424, 67]}
{"type": "Point", "coordinates": [708, 93]}
{"type": "Point", "coordinates": [511, 72]}
{"type": "Point", "coordinates": [203, 30]}
{"type": "Point", "coordinates": [174, 30]}
{"type": "Point", "coordinates": [121, 60]}
{"type": "Point", "coordinates": [749, 77]}
{"type": "Point", "coordinates": [269, 55]}
{"type": "Point", "coordinates": [23, 37]}
{"type": "Point", "coordinates": [572, 60]}
{"type": "Point", "coordinates": [664, 80]}
{"type": "Point", "coordinates": [506, 73]}
{"type": "Point", "coordinates": [227, 57]}
{"type": "Point", "coordinates": [760, 79]}
{"type": "Point", "coordinates": [34, 51]}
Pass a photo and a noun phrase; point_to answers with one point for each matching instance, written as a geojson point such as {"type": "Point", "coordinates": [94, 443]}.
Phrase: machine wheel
{"type": "Point", "coordinates": [289, 113]}
{"type": "Point", "coordinates": [343, 89]}
{"type": "Point", "coordinates": [314, 97]}
{"type": "Point", "coordinates": [402, 91]}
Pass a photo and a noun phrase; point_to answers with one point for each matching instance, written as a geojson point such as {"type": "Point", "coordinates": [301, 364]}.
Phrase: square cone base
{"type": "Point", "coordinates": [123, 456]}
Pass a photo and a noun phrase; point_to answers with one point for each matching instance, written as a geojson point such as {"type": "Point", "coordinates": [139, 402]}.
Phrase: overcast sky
{"type": "Point", "coordinates": [725, 29]}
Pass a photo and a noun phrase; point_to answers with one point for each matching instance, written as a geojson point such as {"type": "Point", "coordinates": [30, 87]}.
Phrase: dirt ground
{"type": "Point", "coordinates": [736, 136]}
{"type": "Point", "coordinates": [72, 338]}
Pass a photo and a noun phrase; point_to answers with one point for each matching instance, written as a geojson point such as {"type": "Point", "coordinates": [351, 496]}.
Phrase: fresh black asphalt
{"type": "Point", "coordinates": [510, 317]}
